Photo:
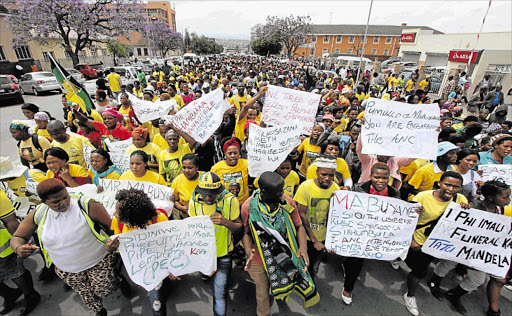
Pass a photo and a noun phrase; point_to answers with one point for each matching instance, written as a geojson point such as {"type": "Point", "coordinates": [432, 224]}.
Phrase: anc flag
{"type": "Point", "coordinates": [75, 92]}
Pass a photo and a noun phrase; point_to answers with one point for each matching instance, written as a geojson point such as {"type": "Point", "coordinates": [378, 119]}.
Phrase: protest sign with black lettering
{"type": "Point", "coordinates": [122, 161]}
{"type": "Point", "coordinates": [176, 247]}
{"type": "Point", "coordinates": [400, 129]}
{"type": "Point", "coordinates": [201, 117]}
{"type": "Point", "coordinates": [475, 238]}
{"type": "Point", "coordinates": [283, 106]}
{"type": "Point", "coordinates": [118, 146]}
{"type": "Point", "coordinates": [22, 205]}
{"type": "Point", "coordinates": [146, 110]}
{"type": "Point", "coordinates": [370, 226]}
{"type": "Point", "coordinates": [268, 147]}
{"type": "Point", "coordinates": [498, 172]}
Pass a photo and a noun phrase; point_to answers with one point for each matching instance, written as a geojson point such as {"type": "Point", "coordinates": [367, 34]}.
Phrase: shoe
{"type": "Point", "coordinates": [455, 302]}
{"type": "Point", "coordinates": [508, 287]}
{"type": "Point", "coordinates": [490, 312]}
{"type": "Point", "coordinates": [124, 286]}
{"type": "Point", "coordinates": [205, 277]}
{"type": "Point", "coordinates": [30, 303]}
{"type": "Point", "coordinates": [410, 303]}
{"type": "Point", "coordinates": [347, 300]}
{"type": "Point", "coordinates": [102, 312]}
{"type": "Point", "coordinates": [396, 264]}
{"type": "Point", "coordinates": [47, 274]}
{"type": "Point", "coordinates": [435, 290]}
{"type": "Point", "coordinates": [10, 301]}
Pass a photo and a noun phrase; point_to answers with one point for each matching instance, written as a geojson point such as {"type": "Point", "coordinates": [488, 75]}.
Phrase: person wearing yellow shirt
{"type": "Point", "coordinates": [312, 199]}
{"type": "Point", "coordinates": [185, 183]}
{"type": "Point", "coordinates": [17, 177]}
{"type": "Point", "coordinates": [173, 93]}
{"type": "Point", "coordinates": [233, 169]}
{"type": "Point", "coordinates": [114, 82]}
{"type": "Point", "coordinates": [170, 165]}
{"type": "Point", "coordinates": [240, 99]}
{"type": "Point", "coordinates": [72, 120]}
{"type": "Point", "coordinates": [425, 84]}
{"type": "Point", "coordinates": [309, 149]}
{"type": "Point", "coordinates": [158, 74]}
{"type": "Point", "coordinates": [42, 119]}
{"type": "Point", "coordinates": [137, 90]}
{"type": "Point", "coordinates": [248, 112]}
{"type": "Point", "coordinates": [102, 167]}
{"type": "Point", "coordinates": [140, 139]}
{"type": "Point", "coordinates": [58, 167]}
{"type": "Point", "coordinates": [291, 178]}
{"type": "Point", "coordinates": [73, 144]}
{"type": "Point", "coordinates": [139, 170]}
{"type": "Point", "coordinates": [409, 86]}
{"type": "Point", "coordinates": [30, 153]}
{"type": "Point", "coordinates": [342, 177]}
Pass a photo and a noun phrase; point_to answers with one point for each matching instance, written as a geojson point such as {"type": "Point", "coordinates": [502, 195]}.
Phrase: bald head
{"type": "Point", "coordinates": [55, 125]}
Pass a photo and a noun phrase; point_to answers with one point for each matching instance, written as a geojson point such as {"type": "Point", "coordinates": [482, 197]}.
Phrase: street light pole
{"type": "Point", "coordinates": [364, 43]}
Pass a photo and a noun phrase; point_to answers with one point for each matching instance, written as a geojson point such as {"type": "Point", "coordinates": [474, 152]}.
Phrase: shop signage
{"type": "Point", "coordinates": [463, 56]}
{"type": "Point", "coordinates": [407, 37]}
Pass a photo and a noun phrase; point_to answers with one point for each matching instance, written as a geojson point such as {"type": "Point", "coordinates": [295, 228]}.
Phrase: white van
{"type": "Point", "coordinates": [190, 57]}
{"type": "Point", "coordinates": [353, 62]}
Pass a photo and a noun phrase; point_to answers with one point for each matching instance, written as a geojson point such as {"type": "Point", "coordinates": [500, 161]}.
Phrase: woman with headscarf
{"type": "Point", "coordinates": [42, 119]}
{"type": "Point", "coordinates": [110, 125]}
{"type": "Point", "coordinates": [31, 147]}
{"type": "Point", "coordinates": [70, 175]}
{"type": "Point", "coordinates": [140, 139]}
{"type": "Point", "coordinates": [103, 167]}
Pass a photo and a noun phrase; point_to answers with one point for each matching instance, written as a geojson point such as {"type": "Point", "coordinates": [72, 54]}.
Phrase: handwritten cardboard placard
{"type": "Point", "coordinates": [177, 247]}
{"type": "Point", "coordinates": [370, 226]}
{"type": "Point", "coordinates": [118, 146]}
{"type": "Point", "coordinates": [201, 117]}
{"type": "Point", "coordinates": [268, 147]}
{"type": "Point", "coordinates": [283, 106]}
{"type": "Point", "coordinates": [478, 239]}
{"type": "Point", "coordinates": [148, 111]}
{"type": "Point", "coordinates": [122, 161]}
{"type": "Point", "coordinates": [497, 172]}
{"type": "Point", "coordinates": [22, 205]}
{"type": "Point", "coordinates": [400, 130]}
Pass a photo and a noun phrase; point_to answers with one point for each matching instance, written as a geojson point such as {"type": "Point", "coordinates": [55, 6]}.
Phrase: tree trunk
{"type": "Point", "coordinates": [74, 58]}
{"type": "Point", "coordinates": [114, 56]}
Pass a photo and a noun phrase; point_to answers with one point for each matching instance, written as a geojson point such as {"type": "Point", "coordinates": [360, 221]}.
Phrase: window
{"type": "Point", "coordinates": [326, 39]}
{"type": "Point", "coordinates": [146, 52]}
{"type": "Point", "coordinates": [337, 50]}
{"type": "Point", "coordinates": [313, 38]}
{"type": "Point", "coordinates": [139, 51]}
{"type": "Point", "coordinates": [46, 58]}
{"type": "Point", "coordinates": [338, 39]}
{"type": "Point", "coordinates": [388, 40]}
{"type": "Point", "coordinates": [23, 52]}
{"type": "Point", "coordinates": [376, 39]}
{"type": "Point", "coordinates": [94, 52]}
{"type": "Point", "coordinates": [386, 52]}
{"type": "Point", "coordinates": [374, 51]}
{"type": "Point", "coordinates": [2, 54]}
{"type": "Point", "coordinates": [349, 51]}
{"type": "Point", "coordinates": [312, 52]}
{"type": "Point", "coordinates": [68, 55]}
{"type": "Point", "coordinates": [324, 51]}
{"type": "Point", "coordinates": [351, 39]}
{"type": "Point", "coordinates": [104, 52]}
{"type": "Point", "coordinates": [81, 54]}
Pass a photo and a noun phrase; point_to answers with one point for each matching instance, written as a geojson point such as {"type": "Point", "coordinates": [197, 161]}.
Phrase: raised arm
{"type": "Point", "coordinates": [191, 142]}
{"type": "Point", "coordinates": [245, 109]}
{"type": "Point", "coordinates": [83, 119]}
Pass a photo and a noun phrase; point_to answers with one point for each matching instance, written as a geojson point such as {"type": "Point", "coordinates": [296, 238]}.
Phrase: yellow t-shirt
{"type": "Point", "coordinates": [27, 150]}
{"type": "Point", "coordinates": [425, 177]}
{"type": "Point", "coordinates": [183, 188]}
{"type": "Point", "coordinates": [126, 115]}
{"type": "Point", "coordinates": [317, 202]}
{"type": "Point", "coordinates": [94, 114]}
{"type": "Point", "coordinates": [423, 84]}
{"type": "Point", "coordinates": [115, 224]}
{"type": "Point", "coordinates": [19, 185]}
{"type": "Point", "coordinates": [6, 207]}
{"type": "Point", "coordinates": [74, 147]}
{"type": "Point", "coordinates": [113, 82]}
{"type": "Point", "coordinates": [409, 85]}
{"type": "Point", "coordinates": [43, 132]}
{"type": "Point", "coordinates": [341, 167]}
{"type": "Point", "coordinates": [151, 149]}
{"type": "Point", "coordinates": [310, 152]}
{"type": "Point", "coordinates": [111, 176]}
{"type": "Point", "coordinates": [74, 171]}
{"type": "Point", "coordinates": [152, 129]}
{"type": "Point", "coordinates": [150, 176]}
{"type": "Point", "coordinates": [169, 164]}
{"type": "Point", "coordinates": [432, 209]}
{"type": "Point", "coordinates": [236, 174]}
{"type": "Point", "coordinates": [179, 101]}
{"type": "Point", "coordinates": [238, 100]}
{"type": "Point", "coordinates": [239, 128]}
{"type": "Point", "coordinates": [161, 142]}
{"type": "Point", "coordinates": [360, 96]}
{"type": "Point", "coordinates": [290, 182]}
{"type": "Point", "coordinates": [411, 168]}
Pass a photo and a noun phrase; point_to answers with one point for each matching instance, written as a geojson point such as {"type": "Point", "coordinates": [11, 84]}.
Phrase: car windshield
{"type": "Point", "coordinates": [96, 66]}
{"type": "Point", "coordinates": [42, 74]}
{"type": "Point", "coordinates": [5, 80]}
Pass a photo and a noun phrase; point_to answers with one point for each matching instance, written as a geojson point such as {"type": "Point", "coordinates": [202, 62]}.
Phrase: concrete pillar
{"type": "Point", "coordinates": [376, 67]}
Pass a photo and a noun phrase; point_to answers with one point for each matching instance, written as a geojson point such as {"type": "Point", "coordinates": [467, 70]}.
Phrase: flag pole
{"type": "Point", "coordinates": [364, 43]}
{"type": "Point", "coordinates": [477, 38]}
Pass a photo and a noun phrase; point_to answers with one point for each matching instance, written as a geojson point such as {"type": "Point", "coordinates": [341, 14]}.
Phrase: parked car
{"type": "Point", "coordinates": [13, 78]}
{"type": "Point", "coordinates": [127, 73]}
{"type": "Point", "coordinates": [37, 82]}
{"type": "Point", "coordinates": [90, 70]}
{"type": "Point", "coordinates": [9, 90]}
{"type": "Point", "coordinates": [76, 74]}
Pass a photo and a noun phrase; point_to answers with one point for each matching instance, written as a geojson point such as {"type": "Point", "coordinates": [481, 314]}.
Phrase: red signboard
{"type": "Point", "coordinates": [463, 56]}
{"type": "Point", "coordinates": [407, 37]}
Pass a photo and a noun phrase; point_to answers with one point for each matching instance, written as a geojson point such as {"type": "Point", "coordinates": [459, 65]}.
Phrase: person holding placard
{"type": "Point", "coordinates": [434, 204]}
{"type": "Point", "coordinates": [212, 199]}
{"type": "Point", "coordinates": [309, 149]}
{"type": "Point", "coordinates": [140, 139]}
{"type": "Point", "coordinates": [185, 183]}
{"type": "Point", "coordinates": [312, 199]}
{"type": "Point", "coordinates": [291, 178]}
{"type": "Point", "coordinates": [109, 127]}
{"type": "Point", "coordinates": [103, 167]}
{"type": "Point", "coordinates": [169, 160]}
{"type": "Point", "coordinates": [248, 113]}
{"type": "Point", "coordinates": [139, 169]}
{"type": "Point", "coordinates": [496, 197]}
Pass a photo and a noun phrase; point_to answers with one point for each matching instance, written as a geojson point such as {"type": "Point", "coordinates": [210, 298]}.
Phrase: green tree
{"type": "Point", "coordinates": [115, 48]}
{"type": "Point", "coordinates": [265, 47]}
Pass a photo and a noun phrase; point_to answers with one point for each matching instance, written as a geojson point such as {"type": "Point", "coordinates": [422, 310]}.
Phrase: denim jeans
{"type": "Point", "coordinates": [157, 301]}
{"type": "Point", "coordinates": [220, 285]}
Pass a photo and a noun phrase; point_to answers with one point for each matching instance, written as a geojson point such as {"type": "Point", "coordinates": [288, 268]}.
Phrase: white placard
{"type": "Point", "coordinates": [478, 239]}
{"type": "Point", "coordinates": [122, 161]}
{"type": "Point", "coordinates": [497, 172]}
{"type": "Point", "coordinates": [147, 111]}
{"type": "Point", "coordinates": [283, 106]}
{"type": "Point", "coordinates": [370, 226]}
{"type": "Point", "coordinates": [201, 117]}
{"type": "Point", "coordinates": [177, 247]}
{"type": "Point", "coordinates": [400, 129]}
{"type": "Point", "coordinates": [22, 205]}
{"type": "Point", "coordinates": [268, 147]}
{"type": "Point", "coordinates": [118, 146]}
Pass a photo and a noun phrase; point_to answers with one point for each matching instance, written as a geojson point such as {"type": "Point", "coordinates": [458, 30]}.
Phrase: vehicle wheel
{"type": "Point", "coordinates": [20, 99]}
{"type": "Point", "coordinates": [36, 93]}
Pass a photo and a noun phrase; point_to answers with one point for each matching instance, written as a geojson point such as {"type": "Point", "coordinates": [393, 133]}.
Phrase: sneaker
{"type": "Point", "coordinates": [347, 300]}
{"type": "Point", "coordinates": [396, 264]}
{"type": "Point", "coordinates": [435, 290]}
{"type": "Point", "coordinates": [10, 300]}
{"type": "Point", "coordinates": [455, 302]}
{"type": "Point", "coordinates": [410, 303]}
{"type": "Point", "coordinates": [490, 312]}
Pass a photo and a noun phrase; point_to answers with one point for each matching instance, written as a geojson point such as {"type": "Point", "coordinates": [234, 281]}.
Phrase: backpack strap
{"type": "Point", "coordinates": [35, 142]}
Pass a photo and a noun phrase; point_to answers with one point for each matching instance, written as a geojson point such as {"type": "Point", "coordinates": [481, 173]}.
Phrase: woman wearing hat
{"type": "Point", "coordinates": [42, 119]}
{"type": "Point", "coordinates": [211, 198]}
{"type": "Point", "coordinates": [30, 146]}
{"type": "Point", "coordinates": [110, 125]}
{"type": "Point", "coordinates": [140, 139]}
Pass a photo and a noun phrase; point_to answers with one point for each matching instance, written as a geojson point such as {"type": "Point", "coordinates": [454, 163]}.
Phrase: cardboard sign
{"type": "Point", "coordinates": [370, 226]}
{"type": "Point", "coordinates": [147, 111]}
{"type": "Point", "coordinates": [122, 161]}
{"type": "Point", "coordinates": [177, 247]}
{"type": "Point", "coordinates": [478, 239]}
{"type": "Point", "coordinates": [268, 147]}
{"type": "Point", "coordinates": [497, 172]}
{"type": "Point", "coordinates": [400, 130]}
{"type": "Point", "coordinates": [22, 205]}
{"type": "Point", "coordinates": [284, 106]}
{"type": "Point", "coordinates": [201, 117]}
{"type": "Point", "coordinates": [118, 146]}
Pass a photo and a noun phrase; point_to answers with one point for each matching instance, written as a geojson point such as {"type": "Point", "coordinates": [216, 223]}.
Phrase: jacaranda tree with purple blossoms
{"type": "Point", "coordinates": [78, 23]}
{"type": "Point", "coordinates": [162, 37]}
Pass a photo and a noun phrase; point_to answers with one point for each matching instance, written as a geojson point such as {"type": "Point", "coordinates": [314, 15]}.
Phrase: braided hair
{"type": "Point", "coordinates": [493, 187]}
{"type": "Point", "coordinates": [135, 208]}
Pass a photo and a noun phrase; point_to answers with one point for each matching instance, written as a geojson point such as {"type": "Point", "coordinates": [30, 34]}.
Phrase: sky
{"type": "Point", "coordinates": [234, 19]}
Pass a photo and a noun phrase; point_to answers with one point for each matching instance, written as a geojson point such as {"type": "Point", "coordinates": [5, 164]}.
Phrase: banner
{"type": "Point", "coordinates": [283, 106]}
{"type": "Point", "coordinates": [370, 226]}
{"type": "Point", "coordinates": [497, 172]}
{"type": "Point", "coordinates": [400, 129]}
{"type": "Point", "coordinates": [22, 205]}
{"type": "Point", "coordinates": [201, 117]}
{"type": "Point", "coordinates": [122, 161]}
{"type": "Point", "coordinates": [177, 247]}
{"type": "Point", "coordinates": [268, 147]}
{"type": "Point", "coordinates": [147, 111]}
{"type": "Point", "coordinates": [117, 146]}
{"type": "Point", "coordinates": [478, 239]}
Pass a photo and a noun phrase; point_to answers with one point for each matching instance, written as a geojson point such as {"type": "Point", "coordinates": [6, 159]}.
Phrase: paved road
{"type": "Point", "coordinates": [378, 291]}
